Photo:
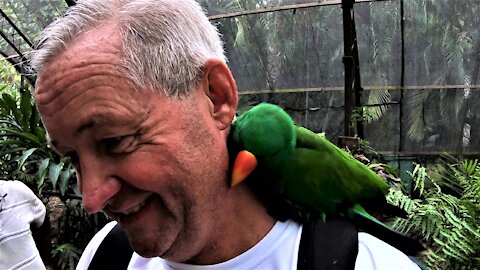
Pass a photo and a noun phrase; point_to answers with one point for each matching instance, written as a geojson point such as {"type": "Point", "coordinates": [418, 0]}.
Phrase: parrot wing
{"type": "Point", "coordinates": [330, 172]}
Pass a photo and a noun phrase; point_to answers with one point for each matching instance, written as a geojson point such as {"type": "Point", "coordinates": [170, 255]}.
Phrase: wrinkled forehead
{"type": "Point", "coordinates": [101, 45]}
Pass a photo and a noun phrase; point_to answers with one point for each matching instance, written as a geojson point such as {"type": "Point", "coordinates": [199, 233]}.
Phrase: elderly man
{"type": "Point", "coordinates": [139, 96]}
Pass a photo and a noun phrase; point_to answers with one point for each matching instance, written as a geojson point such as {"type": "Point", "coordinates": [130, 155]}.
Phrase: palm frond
{"type": "Point", "coordinates": [415, 119]}
{"type": "Point", "coordinates": [376, 112]}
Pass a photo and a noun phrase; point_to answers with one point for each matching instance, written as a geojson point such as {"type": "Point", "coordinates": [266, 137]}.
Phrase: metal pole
{"type": "Point", "coordinates": [401, 140]}
{"type": "Point", "coordinates": [348, 61]}
{"type": "Point", "coordinates": [357, 83]}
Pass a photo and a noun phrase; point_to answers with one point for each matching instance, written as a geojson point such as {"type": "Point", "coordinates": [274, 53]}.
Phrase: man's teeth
{"type": "Point", "coordinates": [133, 209]}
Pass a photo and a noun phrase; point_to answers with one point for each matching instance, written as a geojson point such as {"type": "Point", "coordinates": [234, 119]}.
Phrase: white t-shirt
{"type": "Point", "coordinates": [19, 207]}
{"type": "Point", "coordinates": [277, 250]}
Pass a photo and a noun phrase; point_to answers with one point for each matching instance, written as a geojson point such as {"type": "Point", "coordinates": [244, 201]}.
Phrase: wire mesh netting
{"type": "Point", "coordinates": [20, 23]}
{"type": "Point", "coordinates": [419, 64]}
{"type": "Point", "coordinates": [293, 57]}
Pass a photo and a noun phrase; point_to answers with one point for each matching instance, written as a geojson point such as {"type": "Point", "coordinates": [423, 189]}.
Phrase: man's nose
{"type": "Point", "coordinates": [97, 182]}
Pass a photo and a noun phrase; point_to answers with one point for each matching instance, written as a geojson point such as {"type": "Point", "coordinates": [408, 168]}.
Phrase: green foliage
{"type": "Point", "coordinates": [25, 155]}
{"type": "Point", "coordinates": [75, 230]}
{"type": "Point", "coordinates": [67, 255]}
{"type": "Point", "coordinates": [446, 214]}
{"type": "Point", "coordinates": [24, 148]}
{"type": "Point", "coordinates": [367, 114]}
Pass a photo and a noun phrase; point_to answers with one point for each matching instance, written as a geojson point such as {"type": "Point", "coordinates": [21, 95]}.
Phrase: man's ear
{"type": "Point", "coordinates": [220, 88]}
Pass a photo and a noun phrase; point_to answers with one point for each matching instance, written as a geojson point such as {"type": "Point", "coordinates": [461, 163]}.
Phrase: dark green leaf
{"type": "Point", "coordinates": [41, 134]}
{"type": "Point", "coordinates": [64, 177]}
{"type": "Point", "coordinates": [25, 109]}
{"type": "Point", "coordinates": [29, 137]}
{"type": "Point", "coordinates": [24, 157]}
{"type": "Point", "coordinates": [54, 173]}
{"type": "Point", "coordinates": [12, 105]}
{"type": "Point", "coordinates": [35, 121]}
{"type": "Point", "coordinates": [42, 171]}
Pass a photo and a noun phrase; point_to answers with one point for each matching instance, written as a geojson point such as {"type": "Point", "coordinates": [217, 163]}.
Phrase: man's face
{"type": "Point", "coordinates": [156, 165]}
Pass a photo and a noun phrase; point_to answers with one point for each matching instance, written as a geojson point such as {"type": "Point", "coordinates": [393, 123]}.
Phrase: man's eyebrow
{"type": "Point", "coordinates": [86, 125]}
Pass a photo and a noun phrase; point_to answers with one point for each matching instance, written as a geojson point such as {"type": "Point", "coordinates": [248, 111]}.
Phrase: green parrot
{"type": "Point", "coordinates": [304, 175]}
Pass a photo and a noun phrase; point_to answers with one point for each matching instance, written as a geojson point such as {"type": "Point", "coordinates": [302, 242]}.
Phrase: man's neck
{"type": "Point", "coordinates": [245, 223]}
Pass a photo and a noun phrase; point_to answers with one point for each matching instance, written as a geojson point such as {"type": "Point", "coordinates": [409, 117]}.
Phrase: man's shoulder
{"type": "Point", "coordinates": [93, 245]}
{"type": "Point", "coordinates": [135, 262]}
{"type": "Point", "coordinates": [328, 241]}
{"type": "Point", "coordinates": [373, 253]}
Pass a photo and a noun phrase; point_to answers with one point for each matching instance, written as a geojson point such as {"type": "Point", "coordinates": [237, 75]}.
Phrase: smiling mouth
{"type": "Point", "coordinates": [132, 211]}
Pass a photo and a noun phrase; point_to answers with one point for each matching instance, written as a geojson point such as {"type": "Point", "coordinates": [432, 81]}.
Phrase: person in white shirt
{"type": "Point", "coordinates": [138, 94]}
{"type": "Point", "coordinates": [21, 212]}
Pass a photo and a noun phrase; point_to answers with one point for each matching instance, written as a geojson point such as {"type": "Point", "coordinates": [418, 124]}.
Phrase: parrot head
{"type": "Point", "coordinates": [264, 136]}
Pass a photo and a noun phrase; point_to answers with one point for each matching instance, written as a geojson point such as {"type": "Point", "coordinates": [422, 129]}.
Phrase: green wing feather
{"type": "Point", "coordinates": [325, 177]}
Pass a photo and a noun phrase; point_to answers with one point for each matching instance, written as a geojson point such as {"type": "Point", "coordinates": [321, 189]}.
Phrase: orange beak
{"type": "Point", "coordinates": [245, 163]}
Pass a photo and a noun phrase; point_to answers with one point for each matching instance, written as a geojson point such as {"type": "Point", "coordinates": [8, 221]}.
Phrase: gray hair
{"type": "Point", "coordinates": [165, 43]}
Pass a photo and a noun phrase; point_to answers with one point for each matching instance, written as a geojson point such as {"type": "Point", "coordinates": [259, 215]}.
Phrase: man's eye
{"type": "Point", "coordinates": [119, 144]}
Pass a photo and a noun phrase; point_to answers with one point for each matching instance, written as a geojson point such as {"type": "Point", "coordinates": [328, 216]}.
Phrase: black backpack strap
{"type": "Point", "coordinates": [113, 253]}
{"type": "Point", "coordinates": [332, 245]}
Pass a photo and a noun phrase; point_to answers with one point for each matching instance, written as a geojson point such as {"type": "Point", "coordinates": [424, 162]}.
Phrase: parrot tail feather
{"type": "Point", "coordinates": [359, 210]}
{"type": "Point", "coordinates": [369, 224]}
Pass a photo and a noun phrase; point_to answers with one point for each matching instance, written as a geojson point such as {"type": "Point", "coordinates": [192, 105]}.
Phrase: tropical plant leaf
{"type": "Point", "coordinates": [54, 173]}
{"type": "Point", "coordinates": [448, 223]}
{"type": "Point", "coordinates": [240, 35]}
{"type": "Point", "coordinates": [374, 113]}
{"type": "Point", "coordinates": [11, 122]}
{"type": "Point", "coordinates": [415, 119]}
{"type": "Point", "coordinates": [35, 124]}
{"type": "Point", "coordinates": [27, 137]}
{"type": "Point", "coordinates": [67, 254]}
{"type": "Point", "coordinates": [42, 171]}
{"type": "Point", "coordinates": [64, 179]}
{"type": "Point", "coordinates": [25, 109]}
{"type": "Point", "coordinates": [8, 143]}
{"type": "Point", "coordinates": [24, 158]}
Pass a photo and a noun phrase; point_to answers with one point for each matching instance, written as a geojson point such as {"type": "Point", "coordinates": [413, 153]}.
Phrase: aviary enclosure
{"type": "Point", "coordinates": [395, 81]}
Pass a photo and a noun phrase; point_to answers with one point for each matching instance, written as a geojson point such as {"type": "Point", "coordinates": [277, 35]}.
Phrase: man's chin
{"type": "Point", "coordinates": [151, 245]}
{"type": "Point", "coordinates": [146, 250]}
{"type": "Point", "coordinates": [171, 254]}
